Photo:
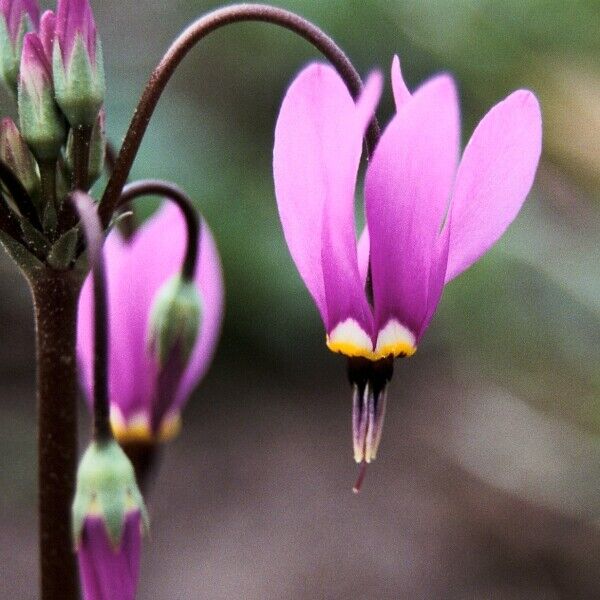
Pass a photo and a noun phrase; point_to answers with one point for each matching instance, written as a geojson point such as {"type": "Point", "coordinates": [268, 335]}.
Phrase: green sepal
{"type": "Point", "coordinates": [175, 319]}
{"type": "Point", "coordinates": [62, 253]}
{"type": "Point", "coordinates": [106, 488]}
{"type": "Point", "coordinates": [26, 261]}
{"type": "Point", "coordinates": [36, 239]}
{"type": "Point", "coordinates": [80, 91]}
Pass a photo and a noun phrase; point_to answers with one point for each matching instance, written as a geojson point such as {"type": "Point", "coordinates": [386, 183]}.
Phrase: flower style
{"type": "Point", "coordinates": [146, 400]}
{"type": "Point", "coordinates": [427, 219]}
{"type": "Point", "coordinates": [17, 17]}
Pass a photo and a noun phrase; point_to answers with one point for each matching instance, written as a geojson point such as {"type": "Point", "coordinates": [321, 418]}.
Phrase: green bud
{"type": "Point", "coordinates": [175, 319]}
{"type": "Point", "coordinates": [11, 42]}
{"type": "Point", "coordinates": [79, 84]}
{"type": "Point", "coordinates": [42, 124]}
{"type": "Point", "coordinates": [106, 487]}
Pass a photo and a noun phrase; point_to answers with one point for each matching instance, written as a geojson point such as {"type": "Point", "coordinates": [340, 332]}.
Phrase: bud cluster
{"type": "Point", "coordinates": [53, 65]}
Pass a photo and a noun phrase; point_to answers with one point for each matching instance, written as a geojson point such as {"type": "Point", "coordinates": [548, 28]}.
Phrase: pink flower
{"type": "Point", "coordinates": [428, 217]}
{"type": "Point", "coordinates": [109, 572]}
{"type": "Point", "coordinates": [143, 406]}
{"type": "Point", "coordinates": [47, 32]}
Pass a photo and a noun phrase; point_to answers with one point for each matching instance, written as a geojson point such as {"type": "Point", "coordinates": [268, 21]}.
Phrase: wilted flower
{"type": "Point", "coordinates": [17, 17]}
{"type": "Point", "coordinates": [77, 63]}
{"type": "Point", "coordinates": [427, 220]}
{"type": "Point", "coordinates": [42, 124]}
{"type": "Point", "coordinates": [146, 395]}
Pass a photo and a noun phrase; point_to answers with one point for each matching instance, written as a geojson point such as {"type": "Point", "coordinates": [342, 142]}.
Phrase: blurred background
{"type": "Point", "coordinates": [487, 485]}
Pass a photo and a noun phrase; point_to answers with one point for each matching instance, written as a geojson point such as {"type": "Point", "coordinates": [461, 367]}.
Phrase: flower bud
{"type": "Point", "coordinates": [47, 33]}
{"type": "Point", "coordinates": [175, 320]}
{"type": "Point", "coordinates": [108, 518]}
{"type": "Point", "coordinates": [42, 124]}
{"type": "Point", "coordinates": [16, 154]}
{"type": "Point", "coordinates": [107, 490]}
{"type": "Point", "coordinates": [78, 65]}
{"type": "Point", "coordinates": [97, 149]}
{"type": "Point", "coordinates": [17, 17]}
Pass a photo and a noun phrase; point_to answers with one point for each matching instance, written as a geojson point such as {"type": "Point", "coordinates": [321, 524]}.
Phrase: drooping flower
{"type": "Point", "coordinates": [17, 17]}
{"type": "Point", "coordinates": [147, 399]}
{"type": "Point", "coordinates": [427, 219]}
{"type": "Point", "coordinates": [42, 123]}
{"type": "Point", "coordinates": [78, 65]}
{"type": "Point", "coordinates": [108, 517]}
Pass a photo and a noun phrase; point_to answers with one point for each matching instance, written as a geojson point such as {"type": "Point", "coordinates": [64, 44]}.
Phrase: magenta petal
{"type": "Point", "coordinates": [495, 175]}
{"type": "Point", "coordinates": [318, 143]}
{"type": "Point", "coordinates": [13, 11]}
{"type": "Point", "coordinates": [401, 93]}
{"type": "Point", "coordinates": [109, 573]}
{"type": "Point", "coordinates": [209, 278]}
{"type": "Point", "coordinates": [135, 272]}
{"type": "Point", "coordinates": [73, 18]}
{"type": "Point", "coordinates": [363, 250]}
{"type": "Point", "coordinates": [407, 189]}
{"type": "Point", "coordinates": [47, 32]}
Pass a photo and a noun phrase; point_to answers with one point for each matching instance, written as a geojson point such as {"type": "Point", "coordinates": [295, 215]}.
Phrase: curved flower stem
{"type": "Point", "coordinates": [84, 206]}
{"type": "Point", "coordinates": [178, 50]}
{"type": "Point", "coordinates": [156, 187]}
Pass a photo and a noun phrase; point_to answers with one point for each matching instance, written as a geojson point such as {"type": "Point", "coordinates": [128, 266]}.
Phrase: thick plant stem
{"type": "Point", "coordinates": [55, 297]}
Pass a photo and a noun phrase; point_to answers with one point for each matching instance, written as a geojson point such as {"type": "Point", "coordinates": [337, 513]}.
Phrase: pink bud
{"type": "Point", "coordinates": [75, 18]}
{"type": "Point", "coordinates": [13, 12]}
{"type": "Point", "coordinates": [108, 572]}
{"type": "Point", "coordinates": [47, 32]}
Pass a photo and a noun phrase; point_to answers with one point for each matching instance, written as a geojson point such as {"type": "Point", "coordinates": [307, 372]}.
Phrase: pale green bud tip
{"type": "Point", "coordinates": [175, 320]}
{"type": "Point", "coordinates": [106, 488]}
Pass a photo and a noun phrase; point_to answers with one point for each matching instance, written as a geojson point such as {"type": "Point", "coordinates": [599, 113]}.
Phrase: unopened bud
{"type": "Point", "coordinates": [16, 154]}
{"type": "Point", "coordinates": [106, 489]}
{"type": "Point", "coordinates": [42, 124]}
{"type": "Point", "coordinates": [17, 17]}
{"type": "Point", "coordinates": [77, 64]}
{"type": "Point", "coordinates": [175, 320]}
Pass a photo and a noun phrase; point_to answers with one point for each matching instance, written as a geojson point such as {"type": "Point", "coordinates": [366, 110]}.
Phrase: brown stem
{"type": "Point", "coordinates": [55, 295]}
{"type": "Point", "coordinates": [81, 157]}
{"type": "Point", "coordinates": [157, 187]}
{"type": "Point", "coordinates": [178, 50]}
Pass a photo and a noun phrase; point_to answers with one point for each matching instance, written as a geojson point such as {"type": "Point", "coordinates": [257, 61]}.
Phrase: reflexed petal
{"type": "Point", "coordinates": [363, 255]}
{"type": "Point", "coordinates": [136, 270]}
{"type": "Point", "coordinates": [407, 189]}
{"type": "Point", "coordinates": [109, 573]}
{"type": "Point", "coordinates": [209, 278]}
{"type": "Point", "coordinates": [401, 93]}
{"type": "Point", "coordinates": [494, 178]}
{"type": "Point", "coordinates": [318, 143]}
